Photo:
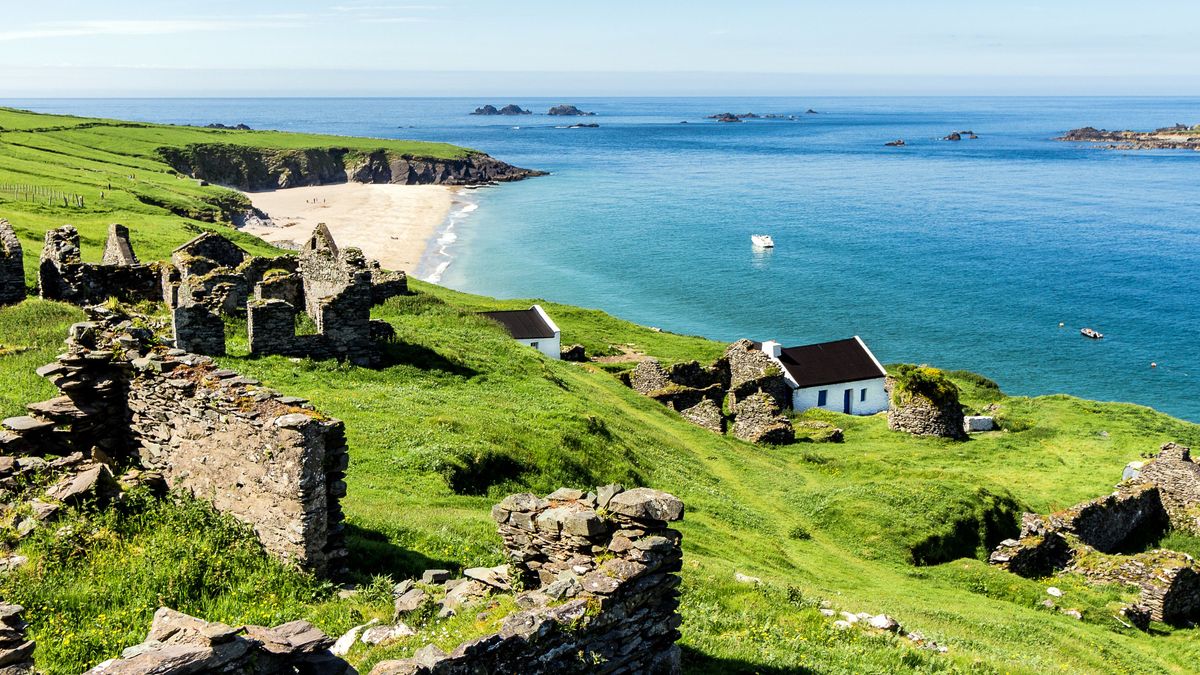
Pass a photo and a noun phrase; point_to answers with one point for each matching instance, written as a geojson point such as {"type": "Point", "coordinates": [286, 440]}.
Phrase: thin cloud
{"type": "Point", "coordinates": [60, 29]}
{"type": "Point", "coordinates": [384, 8]}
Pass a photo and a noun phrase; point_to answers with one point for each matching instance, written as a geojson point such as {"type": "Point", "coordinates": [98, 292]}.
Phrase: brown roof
{"type": "Point", "coordinates": [522, 324]}
{"type": "Point", "coordinates": [830, 363]}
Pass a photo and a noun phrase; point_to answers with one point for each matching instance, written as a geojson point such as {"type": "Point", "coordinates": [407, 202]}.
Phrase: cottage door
{"type": "Point", "coordinates": [848, 399]}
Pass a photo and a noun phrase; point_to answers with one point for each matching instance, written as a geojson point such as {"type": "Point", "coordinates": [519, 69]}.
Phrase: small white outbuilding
{"type": "Point", "coordinates": [842, 375]}
{"type": "Point", "coordinates": [532, 327]}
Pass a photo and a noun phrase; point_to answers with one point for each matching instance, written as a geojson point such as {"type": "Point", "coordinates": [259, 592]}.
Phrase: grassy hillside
{"type": "Point", "coordinates": [117, 169]}
{"type": "Point", "coordinates": [460, 416]}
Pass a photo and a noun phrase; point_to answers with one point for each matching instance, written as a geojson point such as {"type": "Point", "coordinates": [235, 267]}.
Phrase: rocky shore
{"type": "Point", "coordinates": [1178, 137]}
{"type": "Point", "coordinates": [252, 169]}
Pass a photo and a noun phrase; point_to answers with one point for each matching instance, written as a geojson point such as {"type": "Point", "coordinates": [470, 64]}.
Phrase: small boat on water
{"type": "Point", "coordinates": [762, 240]}
{"type": "Point", "coordinates": [1089, 333]}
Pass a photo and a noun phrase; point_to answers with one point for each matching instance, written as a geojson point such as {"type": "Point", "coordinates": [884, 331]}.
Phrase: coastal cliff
{"type": "Point", "coordinates": [254, 168]}
{"type": "Point", "coordinates": [1178, 137]}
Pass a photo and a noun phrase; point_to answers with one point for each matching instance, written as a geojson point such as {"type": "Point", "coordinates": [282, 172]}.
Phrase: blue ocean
{"type": "Point", "coordinates": [987, 254]}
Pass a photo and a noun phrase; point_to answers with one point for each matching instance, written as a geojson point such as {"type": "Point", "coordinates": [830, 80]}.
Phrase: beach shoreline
{"type": "Point", "coordinates": [398, 225]}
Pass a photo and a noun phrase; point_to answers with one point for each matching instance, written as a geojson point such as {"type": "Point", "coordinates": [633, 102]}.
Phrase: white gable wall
{"type": "Point", "coordinates": [550, 346]}
{"type": "Point", "coordinates": [876, 397]}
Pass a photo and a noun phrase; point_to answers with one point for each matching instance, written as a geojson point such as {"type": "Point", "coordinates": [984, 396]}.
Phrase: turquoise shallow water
{"type": "Point", "coordinates": [964, 255]}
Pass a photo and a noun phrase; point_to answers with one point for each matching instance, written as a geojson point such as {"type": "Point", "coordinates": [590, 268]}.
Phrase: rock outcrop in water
{"type": "Point", "coordinates": [510, 109]}
{"type": "Point", "coordinates": [1178, 137]}
{"type": "Point", "coordinates": [249, 168]}
{"type": "Point", "coordinates": [569, 110]}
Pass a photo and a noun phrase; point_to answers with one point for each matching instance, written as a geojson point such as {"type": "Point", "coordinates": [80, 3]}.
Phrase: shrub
{"type": "Point", "coordinates": [924, 381]}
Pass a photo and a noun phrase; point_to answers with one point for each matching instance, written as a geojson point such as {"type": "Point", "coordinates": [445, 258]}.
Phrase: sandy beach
{"type": "Point", "coordinates": [390, 223]}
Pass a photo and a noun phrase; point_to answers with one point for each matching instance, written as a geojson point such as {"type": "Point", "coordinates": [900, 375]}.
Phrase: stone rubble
{"type": "Point", "coordinates": [179, 644]}
{"type": "Point", "coordinates": [16, 653]}
{"type": "Point", "coordinates": [601, 568]}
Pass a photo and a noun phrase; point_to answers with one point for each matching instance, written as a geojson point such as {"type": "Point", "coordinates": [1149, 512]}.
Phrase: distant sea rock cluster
{"type": "Point", "coordinates": [510, 109]}
{"type": "Point", "coordinates": [732, 117]}
{"type": "Point", "coordinates": [1178, 137]}
{"type": "Point", "coordinates": [563, 110]}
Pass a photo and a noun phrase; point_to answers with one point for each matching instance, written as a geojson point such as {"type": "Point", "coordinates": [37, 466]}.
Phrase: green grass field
{"type": "Point", "coordinates": [460, 416]}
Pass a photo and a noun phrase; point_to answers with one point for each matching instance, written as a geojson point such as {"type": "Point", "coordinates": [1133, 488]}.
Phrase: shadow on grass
{"type": "Point", "coordinates": [419, 356]}
{"type": "Point", "coordinates": [695, 661]}
{"type": "Point", "coordinates": [371, 553]}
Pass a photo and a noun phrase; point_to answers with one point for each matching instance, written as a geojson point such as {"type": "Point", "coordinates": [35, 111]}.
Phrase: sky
{"type": "Point", "coordinates": [651, 47]}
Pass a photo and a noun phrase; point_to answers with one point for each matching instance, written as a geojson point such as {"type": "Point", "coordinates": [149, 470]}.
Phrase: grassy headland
{"type": "Point", "coordinates": [460, 416]}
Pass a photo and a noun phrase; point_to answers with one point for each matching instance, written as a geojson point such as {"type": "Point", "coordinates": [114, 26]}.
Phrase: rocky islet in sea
{"type": "Point", "coordinates": [1178, 137]}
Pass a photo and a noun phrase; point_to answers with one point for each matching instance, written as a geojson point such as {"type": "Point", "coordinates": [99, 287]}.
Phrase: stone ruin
{"type": "Point", "coordinates": [1089, 538]}
{"type": "Point", "coordinates": [179, 422]}
{"type": "Point", "coordinates": [62, 274]}
{"type": "Point", "coordinates": [745, 380]}
{"type": "Point", "coordinates": [213, 277]}
{"type": "Point", "coordinates": [179, 644]}
{"type": "Point", "coordinates": [601, 571]}
{"type": "Point", "coordinates": [600, 568]}
{"type": "Point", "coordinates": [12, 269]}
{"type": "Point", "coordinates": [210, 277]}
{"type": "Point", "coordinates": [920, 416]}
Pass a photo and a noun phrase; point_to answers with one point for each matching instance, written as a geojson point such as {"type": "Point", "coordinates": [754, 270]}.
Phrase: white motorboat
{"type": "Point", "coordinates": [762, 240]}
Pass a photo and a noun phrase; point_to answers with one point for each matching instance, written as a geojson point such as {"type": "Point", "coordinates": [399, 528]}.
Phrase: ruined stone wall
{"type": "Point", "coordinates": [1087, 539]}
{"type": "Point", "coordinates": [1178, 480]}
{"type": "Point", "coordinates": [12, 268]}
{"type": "Point", "coordinates": [745, 378]}
{"type": "Point", "coordinates": [286, 287]}
{"type": "Point", "coordinates": [178, 643]}
{"type": "Point", "coordinates": [267, 459]}
{"type": "Point", "coordinates": [62, 274]}
{"type": "Point", "coordinates": [612, 560]}
{"type": "Point", "coordinates": [919, 416]}
{"type": "Point", "coordinates": [198, 330]}
{"type": "Point", "coordinates": [328, 270]}
{"type": "Point", "coordinates": [344, 327]}
{"type": "Point", "coordinates": [118, 250]}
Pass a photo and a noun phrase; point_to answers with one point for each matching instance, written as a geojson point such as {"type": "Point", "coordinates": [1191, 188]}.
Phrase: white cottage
{"type": "Point", "coordinates": [842, 375]}
{"type": "Point", "coordinates": [532, 327]}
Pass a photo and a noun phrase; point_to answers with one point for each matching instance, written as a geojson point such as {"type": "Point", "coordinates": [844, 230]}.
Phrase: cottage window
{"type": "Point", "coordinates": [862, 395]}
{"type": "Point", "coordinates": [533, 344]}
{"type": "Point", "coordinates": [822, 397]}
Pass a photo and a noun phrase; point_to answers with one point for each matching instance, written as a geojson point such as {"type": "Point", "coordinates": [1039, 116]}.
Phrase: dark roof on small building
{"type": "Point", "coordinates": [522, 324]}
{"type": "Point", "coordinates": [846, 360]}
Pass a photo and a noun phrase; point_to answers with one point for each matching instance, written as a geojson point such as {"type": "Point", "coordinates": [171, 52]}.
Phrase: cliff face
{"type": "Point", "coordinates": [251, 168]}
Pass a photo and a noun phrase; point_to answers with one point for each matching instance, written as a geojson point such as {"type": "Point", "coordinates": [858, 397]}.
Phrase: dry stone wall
{"type": "Point", "coordinates": [270, 460]}
{"type": "Point", "coordinates": [62, 274]}
{"type": "Point", "coordinates": [1178, 480]}
{"type": "Point", "coordinates": [919, 416]}
{"type": "Point", "coordinates": [610, 560]}
{"type": "Point", "coordinates": [12, 268]}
